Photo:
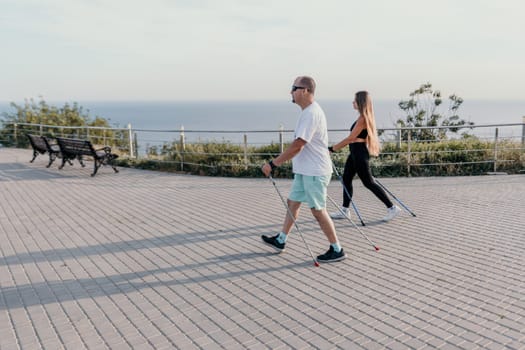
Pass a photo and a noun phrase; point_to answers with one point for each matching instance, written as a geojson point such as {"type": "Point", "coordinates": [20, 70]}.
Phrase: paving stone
{"type": "Point", "coordinates": [149, 260]}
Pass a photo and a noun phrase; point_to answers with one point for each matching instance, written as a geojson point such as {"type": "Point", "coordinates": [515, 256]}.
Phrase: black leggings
{"type": "Point", "coordinates": [357, 163]}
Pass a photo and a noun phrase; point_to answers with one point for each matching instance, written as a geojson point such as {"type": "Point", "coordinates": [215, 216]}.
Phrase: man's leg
{"type": "Point", "coordinates": [335, 252]}
{"type": "Point", "coordinates": [288, 222]}
{"type": "Point", "coordinates": [326, 224]}
{"type": "Point", "coordinates": [316, 193]}
{"type": "Point", "coordinates": [278, 242]}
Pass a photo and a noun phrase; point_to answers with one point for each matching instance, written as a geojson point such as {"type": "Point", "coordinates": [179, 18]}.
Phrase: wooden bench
{"type": "Point", "coordinates": [41, 145]}
{"type": "Point", "coordinates": [73, 148]}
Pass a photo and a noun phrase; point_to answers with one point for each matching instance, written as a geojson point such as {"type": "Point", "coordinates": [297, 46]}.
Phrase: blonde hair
{"type": "Point", "coordinates": [366, 109]}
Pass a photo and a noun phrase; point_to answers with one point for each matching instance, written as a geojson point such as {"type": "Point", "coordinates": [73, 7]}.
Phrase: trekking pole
{"type": "Point", "coordinates": [316, 263]}
{"type": "Point", "coordinates": [393, 196]}
{"type": "Point", "coordinates": [361, 232]}
{"type": "Point", "coordinates": [346, 191]}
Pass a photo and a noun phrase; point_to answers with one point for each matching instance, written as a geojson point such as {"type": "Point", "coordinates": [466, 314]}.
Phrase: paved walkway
{"type": "Point", "coordinates": [150, 260]}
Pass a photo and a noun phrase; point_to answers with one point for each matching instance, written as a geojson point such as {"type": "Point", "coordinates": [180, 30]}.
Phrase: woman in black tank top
{"type": "Point", "coordinates": [363, 134]}
{"type": "Point", "coordinates": [363, 141]}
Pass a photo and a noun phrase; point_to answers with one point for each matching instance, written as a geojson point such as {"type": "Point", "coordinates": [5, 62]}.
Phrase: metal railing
{"type": "Point", "coordinates": [502, 144]}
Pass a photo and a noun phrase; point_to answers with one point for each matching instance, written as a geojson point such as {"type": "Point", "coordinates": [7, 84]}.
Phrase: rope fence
{"type": "Point", "coordinates": [497, 145]}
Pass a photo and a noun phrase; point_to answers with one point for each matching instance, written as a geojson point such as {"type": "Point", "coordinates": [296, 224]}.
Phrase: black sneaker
{"type": "Point", "coordinates": [332, 256]}
{"type": "Point", "coordinates": [272, 241]}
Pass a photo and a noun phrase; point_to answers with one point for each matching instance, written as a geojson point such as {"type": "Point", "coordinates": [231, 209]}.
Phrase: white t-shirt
{"type": "Point", "coordinates": [314, 158]}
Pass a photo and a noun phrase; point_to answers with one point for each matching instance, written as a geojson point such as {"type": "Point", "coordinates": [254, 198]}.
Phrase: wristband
{"type": "Point", "coordinates": [272, 165]}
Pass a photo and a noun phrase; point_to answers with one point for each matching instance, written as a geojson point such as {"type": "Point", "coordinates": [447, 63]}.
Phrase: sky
{"type": "Point", "coordinates": [190, 50]}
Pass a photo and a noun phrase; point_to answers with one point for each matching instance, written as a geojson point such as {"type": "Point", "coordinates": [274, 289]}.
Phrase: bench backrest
{"type": "Point", "coordinates": [37, 143]}
{"type": "Point", "coordinates": [49, 142]}
{"type": "Point", "coordinates": [76, 147]}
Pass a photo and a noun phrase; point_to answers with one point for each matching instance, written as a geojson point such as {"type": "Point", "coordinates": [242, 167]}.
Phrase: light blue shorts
{"type": "Point", "coordinates": [310, 189]}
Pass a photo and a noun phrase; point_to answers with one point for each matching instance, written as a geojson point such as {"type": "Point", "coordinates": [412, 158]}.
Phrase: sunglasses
{"type": "Point", "coordinates": [294, 88]}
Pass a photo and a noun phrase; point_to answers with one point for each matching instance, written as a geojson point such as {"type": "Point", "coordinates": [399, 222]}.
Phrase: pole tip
{"type": "Point", "coordinates": [376, 247]}
{"type": "Point", "coordinates": [316, 263]}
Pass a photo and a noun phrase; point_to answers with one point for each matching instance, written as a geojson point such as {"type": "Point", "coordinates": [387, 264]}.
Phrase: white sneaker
{"type": "Point", "coordinates": [392, 213]}
{"type": "Point", "coordinates": [339, 216]}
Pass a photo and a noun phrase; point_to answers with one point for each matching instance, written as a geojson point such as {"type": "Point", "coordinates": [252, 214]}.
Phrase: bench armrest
{"type": "Point", "coordinates": [106, 149]}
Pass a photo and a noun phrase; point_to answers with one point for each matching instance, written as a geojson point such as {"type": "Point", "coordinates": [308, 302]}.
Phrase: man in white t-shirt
{"type": "Point", "coordinates": [312, 170]}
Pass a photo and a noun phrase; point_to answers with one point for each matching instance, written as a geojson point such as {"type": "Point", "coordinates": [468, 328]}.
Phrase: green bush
{"type": "Point", "coordinates": [213, 159]}
{"type": "Point", "coordinates": [449, 158]}
{"type": "Point", "coordinates": [444, 158]}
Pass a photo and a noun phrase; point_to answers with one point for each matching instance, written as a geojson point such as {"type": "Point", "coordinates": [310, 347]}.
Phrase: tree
{"type": "Point", "coordinates": [422, 109]}
{"type": "Point", "coordinates": [41, 113]}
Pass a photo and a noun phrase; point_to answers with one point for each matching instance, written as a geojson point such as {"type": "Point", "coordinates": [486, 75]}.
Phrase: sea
{"type": "Point", "coordinates": [155, 123]}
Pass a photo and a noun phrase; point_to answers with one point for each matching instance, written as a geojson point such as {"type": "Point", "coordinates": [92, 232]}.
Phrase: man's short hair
{"type": "Point", "coordinates": [307, 82]}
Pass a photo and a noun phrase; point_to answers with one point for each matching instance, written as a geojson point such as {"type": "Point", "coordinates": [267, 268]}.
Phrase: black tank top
{"type": "Point", "coordinates": [363, 134]}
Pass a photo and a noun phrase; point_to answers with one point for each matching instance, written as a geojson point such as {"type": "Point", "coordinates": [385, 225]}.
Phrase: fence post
{"type": "Point", "coordinates": [523, 132]}
{"type": "Point", "coordinates": [281, 138]}
{"type": "Point", "coordinates": [130, 140]}
{"type": "Point", "coordinates": [135, 145]}
{"type": "Point", "coordinates": [398, 139]}
{"type": "Point", "coordinates": [41, 130]}
{"type": "Point", "coordinates": [245, 152]}
{"type": "Point", "coordinates": [409, 138]}
{"type": "Point", "coordinates": [15, 134]}
{"type": "Point", "coordinates": [182, 147]}
{"type": "Point", "coordinates": [496, 151]}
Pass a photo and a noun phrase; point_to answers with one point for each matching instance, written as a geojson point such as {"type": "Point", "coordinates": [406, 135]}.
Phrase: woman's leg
{"type": "Point", "coordinates": [365, 174]}
{"type": "Point", "coordinates": [348, 175]}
